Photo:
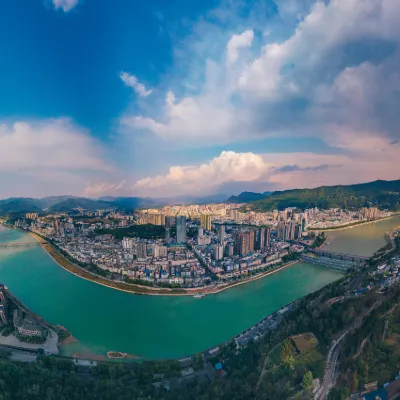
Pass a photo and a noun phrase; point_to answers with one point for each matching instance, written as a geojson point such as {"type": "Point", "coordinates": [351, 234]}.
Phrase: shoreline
{"type": "Point", "coordinates": [145, 290]}
{"type": "Point", "coordinates": [341, 228]}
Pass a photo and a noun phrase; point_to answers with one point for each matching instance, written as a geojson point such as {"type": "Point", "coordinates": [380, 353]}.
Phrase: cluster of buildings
{"type": "Point", "coordinates": [152, 260]}
{"type": "Point", "coordinates": [335, 217]}
{"type": "Point", "coordinates": [24, 325]}
{"type": "Point", "coordinates": [230, 251]}
{"type": "Point", "coordinates": [226, 242]}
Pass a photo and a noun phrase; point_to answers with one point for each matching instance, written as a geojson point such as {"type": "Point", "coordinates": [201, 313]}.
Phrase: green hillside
{"type": "Point", "coordinates": [20, 205]}
{"type": "Point", "coordinates": [74, 202]}
{"type": "Point", "coordinates": [384, 194]}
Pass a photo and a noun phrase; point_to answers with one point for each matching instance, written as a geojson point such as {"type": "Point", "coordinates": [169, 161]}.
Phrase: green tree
{"type": "Point", "coordinates": [307, 379]}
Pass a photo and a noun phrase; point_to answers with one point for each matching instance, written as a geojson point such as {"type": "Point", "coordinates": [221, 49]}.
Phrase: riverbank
{"type": "Point", "coordinates": [349, 226]}
{"type": "Point", "coordinates": [144, 290]}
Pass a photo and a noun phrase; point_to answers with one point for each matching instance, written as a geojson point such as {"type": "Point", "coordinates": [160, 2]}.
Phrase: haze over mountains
{"type": "Point", "coordinates": [67, 203]}
{"type": "Point", "coordinates": [385, 194]}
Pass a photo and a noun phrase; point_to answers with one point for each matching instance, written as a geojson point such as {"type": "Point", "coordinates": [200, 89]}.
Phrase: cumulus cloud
{"type": "Point", "coordinates": [228, 166]}
{"type": "Point", "coordinates": [47, 156]}
{"type": "Point", "coordinates": [133, 82]}
{"type": "Point", "coordinates": [238, 42]}
{"type": "Point", "coordinates": [65, 5]}
{"type": "Point", "coordinates": [190, 119]}
{"type": "Point", "coordinates": [241, 171]}
{"type": "Point", "coordinates": [338, 66]}
{"type": "Point", "coordinates": [53, 144]}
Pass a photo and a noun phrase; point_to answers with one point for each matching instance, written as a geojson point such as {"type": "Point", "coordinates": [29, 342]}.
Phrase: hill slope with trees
{"type": "Point", "coordinates": [383, 194]}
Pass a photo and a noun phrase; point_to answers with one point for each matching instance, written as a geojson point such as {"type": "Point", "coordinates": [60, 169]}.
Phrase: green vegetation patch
{"type": "Point", "coordinates": [146, 231]}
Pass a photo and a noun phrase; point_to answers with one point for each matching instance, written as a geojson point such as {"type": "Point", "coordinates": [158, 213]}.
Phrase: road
{"type": "Point", "coordinates": [331, 364]}
{"type": "Point", "coordinates": [329, 377]}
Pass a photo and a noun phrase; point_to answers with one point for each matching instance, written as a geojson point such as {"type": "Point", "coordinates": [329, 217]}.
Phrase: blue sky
{"type": "Point", "coordinates": [164, 98]}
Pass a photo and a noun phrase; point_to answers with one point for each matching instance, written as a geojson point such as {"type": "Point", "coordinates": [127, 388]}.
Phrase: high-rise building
{"type": "Point", "coordinates": [218, 251]}
{"type": "Point", "coordinates": [251, 240]}
{"type": "Point", "coordinates": [303, 224]}
{"type": "Point", "coordinates": [200, 231]}
{"type": "Point", "coordinates": [297, 232]}
{"type": "Point", "coordinates": [369, 213]}
{"type": "Point", "coordinates": [181, 229]}
{"type": "Point", "coordinates": [56, 225]}
{"type": "Point", "coordinates": [281, 230]}
{"type": "Point", "coordinates": [259, 239]}
{"type": "Point", "coordinates": [159, 251]}
{"type": "Point", "coordinates": [203, 240]}
{"type": "Point", "coordinates": [167, 234]}
{"type": "Point", "coordinates": [141, 251]}
{"type": "Point", "coordinates": [31, 215]}
{"type": "Point", "coordinates": [205, 221]}
{"type": "Point", "coordinates": [156, 219]}
{"type": "Point", "coordinates": [244, 243]}
{"type": "Point", "coordinates": [267, 240]}
{"type": "Point", "coordinates": [290, 228]}
{"type": "Point", "coordinates": [229, 250]}
{"type": "Point", "coordinates": [221, 234]}
{"type": "Point", "coordinates": [169, 221]}
{"type": "Point", "coordinates": [127, 243]}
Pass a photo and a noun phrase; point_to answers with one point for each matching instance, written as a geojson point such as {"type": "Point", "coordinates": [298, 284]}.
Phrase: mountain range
{"type": "Point", "coordinates": [385, 194]}
{"type": "Point", "coordinates": [247, 197]}
{"type": "Point", "coordinates": [67, 203]}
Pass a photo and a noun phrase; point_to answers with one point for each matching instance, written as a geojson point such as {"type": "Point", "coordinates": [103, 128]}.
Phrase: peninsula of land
{"type": "Point", "coordinates": [140, 289]}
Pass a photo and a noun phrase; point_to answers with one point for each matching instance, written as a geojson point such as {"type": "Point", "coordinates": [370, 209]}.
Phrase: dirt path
{"type": "Point", "coordinates": [263, 371]}
{"type": "Point", "coordinates": [361, 348]}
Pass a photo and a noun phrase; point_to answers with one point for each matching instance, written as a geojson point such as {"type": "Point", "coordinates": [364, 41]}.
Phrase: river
{"type": "Point", "coordinates": [362, 240]}
{"type": "Point", "coordinates": [103, 319]}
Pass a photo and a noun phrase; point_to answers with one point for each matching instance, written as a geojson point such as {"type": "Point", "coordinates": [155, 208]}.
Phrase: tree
{"type": "Point", "coordinates": [307, 379]}
{"type": "Point", "coordinates": [354, 382]}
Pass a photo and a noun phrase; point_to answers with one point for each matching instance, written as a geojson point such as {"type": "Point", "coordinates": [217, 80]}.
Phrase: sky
{"type": "Point", "coordinates": [167, 98]}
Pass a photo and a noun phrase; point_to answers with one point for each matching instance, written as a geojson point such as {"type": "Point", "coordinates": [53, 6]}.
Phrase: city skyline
{"type": "Point", "coordinates": [213, 97]}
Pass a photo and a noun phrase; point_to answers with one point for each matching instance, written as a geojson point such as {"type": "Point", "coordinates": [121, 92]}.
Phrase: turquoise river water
{"type": "Point", "coordinates": [104, 319]}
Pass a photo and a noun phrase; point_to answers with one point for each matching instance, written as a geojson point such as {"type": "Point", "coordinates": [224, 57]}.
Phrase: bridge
{"type": "Point", "coordinates": [359, 260]}
{"type": "Point", "coordinates": [334, 260]}
{"type": "Point", "coordinates": [328, 262]}
{"type": "Point", "coordinates": [21, 244]}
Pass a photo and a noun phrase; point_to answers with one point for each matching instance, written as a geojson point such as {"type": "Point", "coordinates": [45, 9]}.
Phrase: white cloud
{"type": "Point", "coordinates": [104, 188]}
{"type": "Point", "coordinates": [53, 144]}
{"type": "Point", "coordinates": [132, 82]}
{"type": "Point", "coordinates": [238, 42]}
{"type": "Point", "coordinates": [50, 156]}
{"type": "Point", "coordinates": [276, 171]}
{"type": "Point", "coordinates": [65, 5]}
{"type": "Point", "coordinates": [320, 33]}
{"type": "Point", "coordinates": [190, 119]}
{"type": "Point", "coordinates": [227, 167]}
{"type": "Point", "coordinates": [293, 86]}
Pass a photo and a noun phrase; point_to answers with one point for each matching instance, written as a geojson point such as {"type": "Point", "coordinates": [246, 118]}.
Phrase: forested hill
{"type": "Point", "coordinates": [384, 194]}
